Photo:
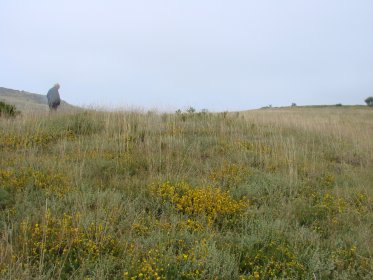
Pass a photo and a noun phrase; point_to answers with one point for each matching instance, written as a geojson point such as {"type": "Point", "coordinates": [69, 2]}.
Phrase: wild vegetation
{"type": "Point", "coordinates": [7, 110]}
{"type": "Point", "coordinates": [264, 194]}
{"type": "Point", "coordinates": [369, 101]}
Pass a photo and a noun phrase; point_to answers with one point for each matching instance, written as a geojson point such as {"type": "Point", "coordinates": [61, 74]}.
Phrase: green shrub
{"type": "Point", "coordinates": [7, 110]}
{"type": "Point", "coordinates": [369, 101]}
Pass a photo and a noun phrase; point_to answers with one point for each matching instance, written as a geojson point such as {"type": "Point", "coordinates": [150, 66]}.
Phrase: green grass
{"type": "Point", "coordinates": [266, 194]}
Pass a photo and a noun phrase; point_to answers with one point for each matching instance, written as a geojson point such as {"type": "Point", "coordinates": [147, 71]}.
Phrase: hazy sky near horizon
{"type": "Point", "coordinates": [213, 54]}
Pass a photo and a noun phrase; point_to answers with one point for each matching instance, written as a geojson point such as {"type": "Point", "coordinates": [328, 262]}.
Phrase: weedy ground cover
{"type": "Point", "coordinates": [265, 194]}
{"type": "Point", "coordinates": [7, 110]}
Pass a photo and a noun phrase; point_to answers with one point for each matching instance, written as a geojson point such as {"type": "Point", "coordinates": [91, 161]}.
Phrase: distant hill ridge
{"type": "Point", "coordinates": [29, 102]}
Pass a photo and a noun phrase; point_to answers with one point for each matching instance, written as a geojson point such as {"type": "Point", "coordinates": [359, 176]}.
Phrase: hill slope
{"type": "Point", "coordinates": [264, 194]}
{"type": "Point", "coordinates": [29, 102]}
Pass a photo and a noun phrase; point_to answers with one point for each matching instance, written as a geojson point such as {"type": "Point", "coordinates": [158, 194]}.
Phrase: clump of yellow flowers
{"type": "Point", "coordinates": [63, 242]}
{"type": "Point", "coordinates": [209, 201]}
{"type": "Point", "coordinates": [27, 140]}
{"type": "Point", "coordinates": [271, 261]}
{"type": "Point", "coordinates": [188, 262]}
{"type": "Point", "coordinates": [332, 204]}
{"type": "Point", "coordinates": [51, 182]}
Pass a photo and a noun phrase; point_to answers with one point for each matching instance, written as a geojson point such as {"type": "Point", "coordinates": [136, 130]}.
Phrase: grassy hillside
{"type": "Point", "coordinates": [265, 194]}
{"type": "Point", "coordinates": [28, 102]}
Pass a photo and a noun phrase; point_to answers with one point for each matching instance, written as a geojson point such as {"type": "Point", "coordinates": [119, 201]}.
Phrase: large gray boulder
{"type": "Point", "coordinates": [53, 97]}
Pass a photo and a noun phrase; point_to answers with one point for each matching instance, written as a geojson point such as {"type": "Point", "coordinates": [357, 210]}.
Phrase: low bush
{"type": "Point", "coordinates": [7, 110]}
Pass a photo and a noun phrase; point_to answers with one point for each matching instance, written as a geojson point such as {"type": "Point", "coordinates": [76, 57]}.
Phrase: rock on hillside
{"type": "Point", "coordinates": [30, 102]}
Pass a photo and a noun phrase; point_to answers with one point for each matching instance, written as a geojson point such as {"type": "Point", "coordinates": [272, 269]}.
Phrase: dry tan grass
{"type": "Point", "coordinates": [131, 194]}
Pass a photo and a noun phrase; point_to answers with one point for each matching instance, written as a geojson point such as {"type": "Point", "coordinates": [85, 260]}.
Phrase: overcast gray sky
{"type": "Point", "coordinates": [214, 54]}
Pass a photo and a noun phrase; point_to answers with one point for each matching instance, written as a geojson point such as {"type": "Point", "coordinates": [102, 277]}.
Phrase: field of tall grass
{"type": "Point", "coordinates": [264, 194]}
